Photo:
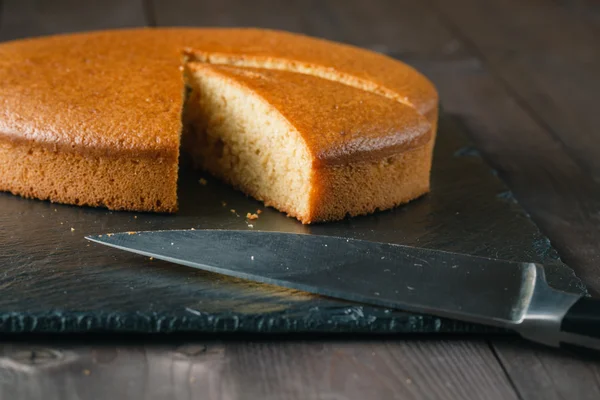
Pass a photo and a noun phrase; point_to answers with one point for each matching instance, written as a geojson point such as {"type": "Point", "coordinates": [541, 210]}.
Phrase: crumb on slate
{"type": "Point", "coordinates": [259, 211]}
{"type": "Point", "coordinates": [203, 181]}
{"type": "Point", "coordinates": [251, 216]}
{"type": "Point", "coordinates": [223, 203]}
{"type": "Point", "coordinates": [72, 229]}
{"type": "Point", "coordinates": [87, 372]}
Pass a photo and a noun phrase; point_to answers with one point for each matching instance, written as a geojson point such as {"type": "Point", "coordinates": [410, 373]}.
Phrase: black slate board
{"type": "Point", "coordinates": [53, 281]}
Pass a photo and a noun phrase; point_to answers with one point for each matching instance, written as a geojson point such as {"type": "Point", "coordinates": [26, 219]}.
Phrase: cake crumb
{"type": "Point", "coordinates": [110, 234]}
{"type": "Point", "coordinates": [223, 203]}
{"type": "Point", "coordinates": [259, 211]}
{"type": "Point", "coordinates": [151, 258]}
{"type": "Point", "coordinates": [72, 229]}
{"type": "Point", "coordinates": [135, 216]}
{"type": "Point", "coordinates": [232, 210]}
{"type": "Point", "coordinates": [87, 372]}
{"type": "Point", "coordinates": [192, 229]}
{"type": "Point", "coordinates": [203, 181]}
{"type": "Point", "coordinates": [131, 233]}
{"type": "Point", "coordinates": [55, 210]}
{"type": "Point", "coordinates": [251, 216]}
{"type": "Point", "coordinates": [250, 226]}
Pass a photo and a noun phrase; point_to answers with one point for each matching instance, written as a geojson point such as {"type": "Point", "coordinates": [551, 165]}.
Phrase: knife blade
{"type": "Point", "coordinates": [500, 293]}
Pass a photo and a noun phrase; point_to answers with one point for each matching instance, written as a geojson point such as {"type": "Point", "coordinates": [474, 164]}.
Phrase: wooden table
{"type": "Point", "coordinates": [524, 75]}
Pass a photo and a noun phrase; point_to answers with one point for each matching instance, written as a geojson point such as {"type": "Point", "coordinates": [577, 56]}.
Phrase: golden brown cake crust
{"type": "Point", "coordinates": [122, 90]}
{"type": "Point", "coordinates": [339, 124]}
{"type": "Point", "coordinates": [119, 94]}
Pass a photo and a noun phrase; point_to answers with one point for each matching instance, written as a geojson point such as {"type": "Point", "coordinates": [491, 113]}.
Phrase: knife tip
{"type": "Point", "coordinates": [99, 238]}
{"type": "Point", "coordinates": [106, 237]}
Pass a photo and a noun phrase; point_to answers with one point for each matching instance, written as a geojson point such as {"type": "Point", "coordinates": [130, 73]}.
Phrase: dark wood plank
{"type": "Point", "coordinates": [586, 9]}
{"type": "Point", "coordinates": [407, 370]}
{"type": "Point", "coordinates": [546, 57]}
{"type": "Point", "coordinates": [26, 18]}
{"type": "Point", "coordinates": [387, 26]}
{"type": "Point", "coordinates": [401, 27]}
{"type": "Point", "coordinates": [549, 374]}
{"type": "Point", "coordinates": [445, 369]}
{"type": "Point", "coordinates": [112, 372]}
{"type": "Point", "coordinates": [292, 15]}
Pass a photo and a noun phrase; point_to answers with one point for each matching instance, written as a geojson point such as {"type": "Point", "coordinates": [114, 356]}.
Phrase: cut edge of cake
{"type": "Point", "coordinates": [239, 138]}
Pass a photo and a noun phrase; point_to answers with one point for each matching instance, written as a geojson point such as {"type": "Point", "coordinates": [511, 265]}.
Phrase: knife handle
{"type": "Point", "coordinates": [580, 327]}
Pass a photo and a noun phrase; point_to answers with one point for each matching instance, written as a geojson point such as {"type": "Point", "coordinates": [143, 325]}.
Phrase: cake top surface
{"type": "Point", "coordinates": [122, 90]}
{"type": "Point", "coordinates": [338, 123]}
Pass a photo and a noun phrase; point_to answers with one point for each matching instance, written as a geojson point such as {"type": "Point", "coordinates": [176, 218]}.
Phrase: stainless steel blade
{"type": "Point", "coordinates": [427, 281]}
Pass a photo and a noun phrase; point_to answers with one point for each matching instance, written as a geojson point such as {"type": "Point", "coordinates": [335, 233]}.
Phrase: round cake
{"type": "Point", "coordinates": [316, 129]}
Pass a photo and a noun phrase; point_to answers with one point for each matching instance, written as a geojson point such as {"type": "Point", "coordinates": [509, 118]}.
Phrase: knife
{"type": "Point", "coordinates": [513, 295]}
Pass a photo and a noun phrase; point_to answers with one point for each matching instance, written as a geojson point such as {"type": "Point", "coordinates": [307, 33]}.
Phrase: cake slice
{"type": "Point", "coordinates": [314, 148]}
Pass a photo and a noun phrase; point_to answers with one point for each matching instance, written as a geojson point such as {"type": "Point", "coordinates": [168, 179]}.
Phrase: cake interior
{"type": "Point", "coordinates": [238, 137]}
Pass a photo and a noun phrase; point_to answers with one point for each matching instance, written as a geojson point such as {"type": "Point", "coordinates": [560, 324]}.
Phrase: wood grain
{"type": "Point", "coordinates": [350, 21]}
{"type": "Point", "coordinates": [547, 59]}
{"type": "Point", "coordinates": [27, 18]}
{"type": "Point", "coordinates": [585, 9]}
{"type": "Point", "coordinates": [292, 15]}
{"type": "Point", "coordinates": [413, 369]}
{"type": "Point", "coordinates": [544, 374]}
{"type": "Point", "coordinates": [407, 370]}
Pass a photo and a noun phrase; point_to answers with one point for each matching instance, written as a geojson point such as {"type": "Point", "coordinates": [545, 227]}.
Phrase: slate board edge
{"type": "Point", "coordinates": [57, 322]}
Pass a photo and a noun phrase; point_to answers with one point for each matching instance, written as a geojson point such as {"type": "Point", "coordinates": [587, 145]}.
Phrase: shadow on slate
{"type": "Point", "coordinates": [54, 281]}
